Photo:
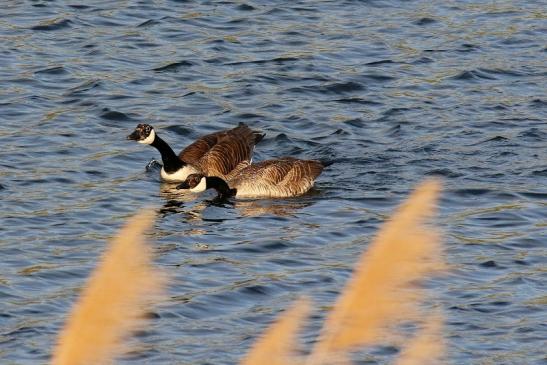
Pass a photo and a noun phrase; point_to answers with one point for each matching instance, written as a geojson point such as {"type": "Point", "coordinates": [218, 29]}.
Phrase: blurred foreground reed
{"type": "Point", "coordinates": [383, 293]}
{"type": "Point", "coordinates": [114, 301]}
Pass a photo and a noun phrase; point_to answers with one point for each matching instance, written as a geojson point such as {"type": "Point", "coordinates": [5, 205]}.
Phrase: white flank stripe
{"type": "Point", "coordinates": [179, 175]}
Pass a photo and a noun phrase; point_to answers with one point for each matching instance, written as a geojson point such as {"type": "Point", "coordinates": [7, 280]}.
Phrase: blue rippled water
{"type": "Point", "coordinates": [392, 91]}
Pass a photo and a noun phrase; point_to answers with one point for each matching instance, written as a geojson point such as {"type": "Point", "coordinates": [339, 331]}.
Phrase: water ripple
{"type": "Point", "coordinates": [388, 91]}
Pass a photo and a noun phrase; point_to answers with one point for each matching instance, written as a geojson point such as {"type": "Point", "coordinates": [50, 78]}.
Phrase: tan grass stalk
{"type": "Point", "coordinates": [277, 345]}
{"type": "Point", "coordinates": [381, 292]}
{"type": "Point", "coordinates": [427, 347]}
{"type": "Point", "coordinates": [114, 300]}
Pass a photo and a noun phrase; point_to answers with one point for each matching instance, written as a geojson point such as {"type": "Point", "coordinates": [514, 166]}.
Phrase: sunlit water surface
{"type": "Point", "coordinates": [391, 91]}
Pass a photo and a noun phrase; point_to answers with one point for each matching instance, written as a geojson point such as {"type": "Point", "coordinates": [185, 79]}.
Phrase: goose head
{"type": "Point", "coordinates": [196, 183]}
{"type": "Point", "coordinates": [144, 133]}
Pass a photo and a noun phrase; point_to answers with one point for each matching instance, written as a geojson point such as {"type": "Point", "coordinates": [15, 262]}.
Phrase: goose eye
{"type": "Point", "coordinates": [195, 181]}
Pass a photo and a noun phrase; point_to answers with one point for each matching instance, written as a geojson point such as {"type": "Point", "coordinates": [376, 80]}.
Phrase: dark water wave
{"type": "Point", "coordinates": [390, 92]}
{"type": "Point", "coordinates": [173, 66]}
{"type": "Point", "coordinates": [53, 25]}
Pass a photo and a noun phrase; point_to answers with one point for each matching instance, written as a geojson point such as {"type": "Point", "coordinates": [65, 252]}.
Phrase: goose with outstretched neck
{"type": "Point", "coordinates": [280, 178]}
{"type": "Point", "coordinates": [222, 154]}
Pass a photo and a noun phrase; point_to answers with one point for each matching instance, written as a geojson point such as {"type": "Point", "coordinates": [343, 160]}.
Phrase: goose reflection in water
{"type": "Point", "coordinates": [175, 200]}
{"type": "Point", "coordinates": [280, 208]}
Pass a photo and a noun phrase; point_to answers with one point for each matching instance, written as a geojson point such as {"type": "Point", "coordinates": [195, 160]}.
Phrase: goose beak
{"type": "Point", "coordinates": [135, 136]}
{"type": "Point", "coordinates": [184, 185]}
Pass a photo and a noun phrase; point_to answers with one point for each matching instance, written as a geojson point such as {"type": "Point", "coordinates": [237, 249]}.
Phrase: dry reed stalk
{"type": "Point", "coordinates": [427, 347]}
{"type": "Point", "coordinates": [277, 345]}
{"type": "Point", "coordinates": [379, 295]}
{"type": "Point", "coordinates": [114, 301]}
{"type": "Point", "coordinates": [381, 292]}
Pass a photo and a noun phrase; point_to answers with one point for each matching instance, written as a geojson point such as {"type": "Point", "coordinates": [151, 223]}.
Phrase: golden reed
{"type": "Point", "coordinates": [381, 294]}
{"type": "Point", "coordinates": [278, 345]}
{"type": "Point", "coordinates": [427, 347]}
{"type": "Point", "coordinates": [114, 301]}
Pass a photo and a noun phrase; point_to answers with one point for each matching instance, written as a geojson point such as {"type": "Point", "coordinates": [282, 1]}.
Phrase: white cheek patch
{"type": "Point", "coordinates": [151, 137]}
{"type": "Point", "coordinates": [202, 186]}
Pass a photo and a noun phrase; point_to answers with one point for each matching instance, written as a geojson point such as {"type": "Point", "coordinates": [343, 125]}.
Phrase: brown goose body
{"type": "Point", "coordinates": [280, 178]}
{"type": "Point", "coordinates": [217, 154]}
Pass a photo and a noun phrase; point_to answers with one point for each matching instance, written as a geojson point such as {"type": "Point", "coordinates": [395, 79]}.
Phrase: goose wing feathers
{"type": "Point", "coordinates": [217, 154]}
{"type": "Point", "coordinates": [277, 178]}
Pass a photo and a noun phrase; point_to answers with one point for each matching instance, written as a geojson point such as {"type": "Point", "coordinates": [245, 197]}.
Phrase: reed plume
{"type": "Point", "coordinates": [277, 346]}
{"type": "Point", "coordinates": [383, 290]}
{"type": "Point", "coordinates": [113, 303]}
{"type": "Point", "coordinates": [427, 347]}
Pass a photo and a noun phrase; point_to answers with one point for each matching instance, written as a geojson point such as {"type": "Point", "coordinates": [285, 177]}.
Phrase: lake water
{"type": "Point", "coordinates": [391, 91]}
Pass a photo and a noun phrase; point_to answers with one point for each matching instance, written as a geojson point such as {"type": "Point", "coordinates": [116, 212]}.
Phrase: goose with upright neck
{"type": "Point", "coordinates": [216, 154]}
{"type": "Point", "coordinates": [280, 178]}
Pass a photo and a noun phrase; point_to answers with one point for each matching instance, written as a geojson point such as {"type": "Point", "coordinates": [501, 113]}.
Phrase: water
{"type": "Point", "coordinates": [392, 91]}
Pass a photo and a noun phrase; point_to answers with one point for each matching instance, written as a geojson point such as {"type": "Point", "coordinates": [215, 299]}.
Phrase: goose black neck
{"type": "Point", "coordinates": [220, 186]}
{"type": "Point", "coordinates": [171, 162]}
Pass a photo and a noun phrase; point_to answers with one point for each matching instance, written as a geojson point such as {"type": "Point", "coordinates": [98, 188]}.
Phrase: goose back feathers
{"type": "Point", "coordinates": [220, 153]}
{"type": "Point", "coordinates": [276, 178]}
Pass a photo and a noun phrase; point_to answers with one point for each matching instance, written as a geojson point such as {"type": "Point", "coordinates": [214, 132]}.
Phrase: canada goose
{"type": "Point", "coordinates": [280, 178]}
{"type": "Point", "coordinates": [215, 154]}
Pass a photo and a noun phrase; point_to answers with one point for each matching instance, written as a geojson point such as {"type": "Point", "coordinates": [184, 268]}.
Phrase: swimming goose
{"type": "Point", "coordinates": [282, 178]}
{"type": "Point", "coordinates": [215, 154]}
